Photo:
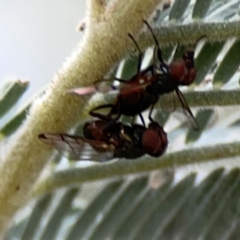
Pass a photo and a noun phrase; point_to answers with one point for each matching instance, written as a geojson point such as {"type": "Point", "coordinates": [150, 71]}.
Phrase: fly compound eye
{"type": "Point", "coordinates": [177, 71]}
{"type": "Point", "coordinates": [154, 141]}
{"type": "Point", "coordinates": [150, 142]}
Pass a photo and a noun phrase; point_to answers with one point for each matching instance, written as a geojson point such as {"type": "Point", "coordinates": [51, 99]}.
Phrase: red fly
{"type": "Point", "coordinates": [145, 87]}
{"type": "Point", "coordinates": [103, 141]}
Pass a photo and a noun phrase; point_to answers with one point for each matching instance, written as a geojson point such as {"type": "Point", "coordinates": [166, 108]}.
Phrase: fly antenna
{"type": "Point", "coordinates": [159, 51]}
{"type": "Point", "coordinates": [153, 35]}
{"type": "Point", "coordinates": [135, 42]}
{"type": "Point", "coordinates": [140, 53]}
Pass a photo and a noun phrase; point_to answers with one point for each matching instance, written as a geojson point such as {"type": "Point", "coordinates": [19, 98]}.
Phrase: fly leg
{"type": "Point", "coordinates": [142, 119]}
{"type": "Point", "coordinates": [187, 110]}
{"type": "Point", "coordinates": [151, 109]}
{"type": "Point", "coordinates": [111, 122]}
{"type": "Point", "coordinates": [140, 114]}
{"type": "Point", "coordinates": [101, 116]}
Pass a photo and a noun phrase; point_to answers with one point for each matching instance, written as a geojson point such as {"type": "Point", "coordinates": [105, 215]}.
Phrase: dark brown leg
{"type": "Point", "coordinates": [151, 110]}
{"type": "Point", "coordinates": [99, 115]}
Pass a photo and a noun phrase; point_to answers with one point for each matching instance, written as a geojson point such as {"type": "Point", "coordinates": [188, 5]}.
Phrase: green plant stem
{"type": "Point", "coordinates": [97, 9]}
{"type": "Point", "coordinates": [11, 93]}
{"type": "Point", "coordinates": [201, 99]}
{"type": "Point", "coordinates": [125, 167]}
{"type": "Point", "coordinates": [188, 33]}
{"type": "Point", "coordinates": [205, 99]}
{"type": "Point", "coordinates": [104, 44]}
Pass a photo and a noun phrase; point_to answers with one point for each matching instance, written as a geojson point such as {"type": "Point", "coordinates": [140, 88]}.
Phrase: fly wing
{"type": "Point", "coordinates": [79, 148]}
{"type": "Point", "coordinates": [187, 111]}
{"type": "Point", "coordinates": [106, 85]}
{"type": "Point", "coordinates": [82, 91]}
{"type": "Point", "coordinates": [114, 92]}
{"type": "Point", "coordinates": [103, 86]}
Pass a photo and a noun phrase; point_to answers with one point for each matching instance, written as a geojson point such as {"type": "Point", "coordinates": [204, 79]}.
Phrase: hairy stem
{"type": "Point", "coordinates": [105, 43]}
{"type": "Point", "coordinates": [187, 34]}
{"type": "Point", "coordinates": [201, 99]}
{"type": "Point", "coordinates": [124, 167]}
{"type": "Point", "coordinates": [96, 9]}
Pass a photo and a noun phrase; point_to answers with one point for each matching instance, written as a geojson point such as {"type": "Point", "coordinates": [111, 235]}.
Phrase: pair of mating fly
{"type": "Point", "coordinates": [107, 137]}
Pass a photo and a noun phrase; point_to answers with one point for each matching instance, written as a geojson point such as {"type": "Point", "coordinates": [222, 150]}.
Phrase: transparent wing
{"type": "Point", "coordinates": [79, 148]}
{"type": "Point", "coordinates": [82, 91]}
{"type": "Point", "coordinates": [187, 111]}
{"type": "Point", "coordinates": [107, 86]}
{"type": "Point", "coordinates": [114, 92]}
{"type": "Point", "coordinates": [103, 86]}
